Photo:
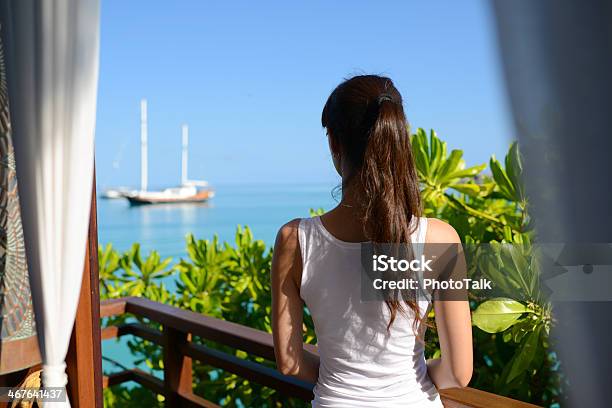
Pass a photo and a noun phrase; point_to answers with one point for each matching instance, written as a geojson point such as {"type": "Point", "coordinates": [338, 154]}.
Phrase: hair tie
{"type": "Point", "coordinates": [384, 97]}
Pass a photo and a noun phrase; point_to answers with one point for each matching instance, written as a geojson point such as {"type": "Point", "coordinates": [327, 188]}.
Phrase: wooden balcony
{"type": "Point", "coordinates": [179, 325]}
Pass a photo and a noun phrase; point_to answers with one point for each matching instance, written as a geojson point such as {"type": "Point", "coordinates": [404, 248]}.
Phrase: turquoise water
{"type": "Point", "coordinates": [264, 208]}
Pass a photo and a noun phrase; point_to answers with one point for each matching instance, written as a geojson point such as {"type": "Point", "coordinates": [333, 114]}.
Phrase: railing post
{"type": "Point", "coordinates": [177, 367]}
{"type": "Point", "coordinates": [84, 357]}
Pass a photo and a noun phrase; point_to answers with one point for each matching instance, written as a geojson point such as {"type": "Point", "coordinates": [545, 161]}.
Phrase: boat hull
{"type": "Point", "coordinates": [200, 197]}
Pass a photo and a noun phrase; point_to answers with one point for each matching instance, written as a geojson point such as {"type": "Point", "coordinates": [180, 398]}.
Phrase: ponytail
{"type": "Point", "coordinates": [389, 177]}
{"type": "Point", "coordinates": [365, 116]}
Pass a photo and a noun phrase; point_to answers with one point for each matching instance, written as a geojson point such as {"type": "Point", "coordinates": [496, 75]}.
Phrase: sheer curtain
{"type": "Point", "coordinates": [52, 74]}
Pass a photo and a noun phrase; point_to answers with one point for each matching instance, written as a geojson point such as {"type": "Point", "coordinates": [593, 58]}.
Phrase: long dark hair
{"type": "Point", "coordinates": [364, 116]}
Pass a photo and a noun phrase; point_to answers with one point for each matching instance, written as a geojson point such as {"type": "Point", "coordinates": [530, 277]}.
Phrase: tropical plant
{"type": "Point", "coordinates": [439, 172]}
{"type": "Point", "coordinates": [131, 397]}
{"type": "Point", "coordinates": [109, 265]}
{"type": "Point", "coordinates": [139, 274]}
{"type": "Point", "coordinates": [522, 318]}
{"type": "Point", "coordinates": [316, 212]}
{"type": "Point", "coordinates": [201, 280]}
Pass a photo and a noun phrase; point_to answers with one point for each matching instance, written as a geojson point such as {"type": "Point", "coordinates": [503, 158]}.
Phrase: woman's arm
{"type": "Point", "coordinates": [288, 308]}
{"type": "Point", "coordinates": [453, 321]}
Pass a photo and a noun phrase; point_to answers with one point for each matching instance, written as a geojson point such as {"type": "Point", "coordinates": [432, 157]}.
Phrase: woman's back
{"type": "Point", "coordinates": [362, 363]}
{"type": "Point", "coordinates": [370, 355]}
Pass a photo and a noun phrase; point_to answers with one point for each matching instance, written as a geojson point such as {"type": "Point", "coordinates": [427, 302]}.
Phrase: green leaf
{"type": "Point", "coordinates": [502, 180]}
{"type": "Point", "coordinates": [496, 315]}
{"type": "Point", "coordinates": [469, 189]}
{"type": "Point", "coordinates": [438, 151]}
{"type": "Point", "coordinates": [188, 283]}
{"type": "Point", "coordinates": [514, 169]}
{"type": "Point", "coordinates": [469, 172]}
{"type": "Point", "coordinates": [526, 353]}
{"type": "Point", "coordinates": [420, 150]}
{"type": "Point", "coordinates": [452, 164]}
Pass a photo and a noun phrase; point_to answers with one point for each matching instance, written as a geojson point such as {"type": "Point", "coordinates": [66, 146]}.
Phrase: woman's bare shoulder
{"type": "Point", "coordinates": [439, 231]}
{"type": "Point", "coordinates": [287, 261]}
{"type": "Point", "coordinates": [287, 236]}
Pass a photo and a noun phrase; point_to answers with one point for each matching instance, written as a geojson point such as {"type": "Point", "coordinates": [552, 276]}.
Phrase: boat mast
{"type": "Point", "coordinates": [143, 145]}
{"type": "Point", "coordinates": [185, 131]}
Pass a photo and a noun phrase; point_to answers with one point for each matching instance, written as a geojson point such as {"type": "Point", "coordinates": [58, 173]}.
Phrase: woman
{"type": "Point", "coordinates": [370, 353]}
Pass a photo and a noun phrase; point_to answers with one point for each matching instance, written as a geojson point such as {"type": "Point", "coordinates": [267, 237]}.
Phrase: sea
{"type": "Point", "coordinates": [264, 208]}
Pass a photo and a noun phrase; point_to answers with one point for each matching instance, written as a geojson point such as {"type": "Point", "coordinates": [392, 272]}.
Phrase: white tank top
{"type": "Point", "coordinates": [362, 364]}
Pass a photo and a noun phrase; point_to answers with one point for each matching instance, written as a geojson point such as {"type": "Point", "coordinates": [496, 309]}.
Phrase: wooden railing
{"type": "Point", "coordinates": [179, 325]}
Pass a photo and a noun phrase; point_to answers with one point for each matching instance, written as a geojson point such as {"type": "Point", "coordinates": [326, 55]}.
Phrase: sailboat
{"type": "Point", "coordinates": [190, 191]}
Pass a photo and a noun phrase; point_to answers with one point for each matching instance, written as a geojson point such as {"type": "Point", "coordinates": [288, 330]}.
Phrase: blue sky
{"type": "Point", "coordinates": [251, 78]}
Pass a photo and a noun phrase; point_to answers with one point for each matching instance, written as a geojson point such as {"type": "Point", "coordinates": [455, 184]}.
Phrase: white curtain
{"type": "Point", "coordinates": [52, 73]}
